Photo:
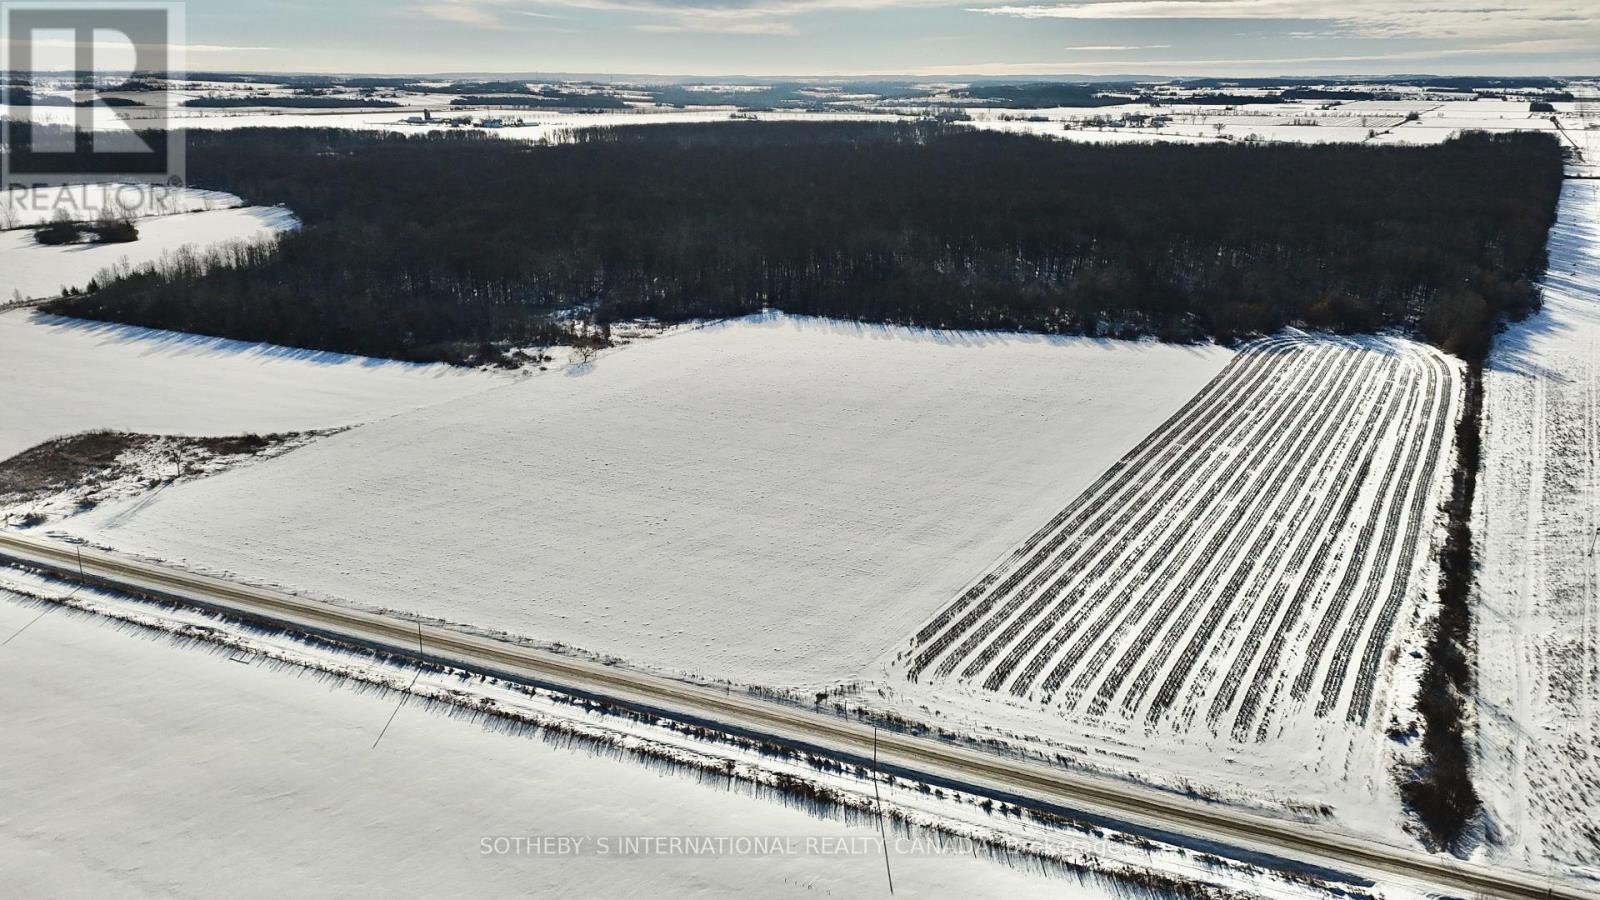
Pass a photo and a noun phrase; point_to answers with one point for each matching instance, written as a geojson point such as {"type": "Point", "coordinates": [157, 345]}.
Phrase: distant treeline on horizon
{"type": "Point", "coordinates": [798, 93]}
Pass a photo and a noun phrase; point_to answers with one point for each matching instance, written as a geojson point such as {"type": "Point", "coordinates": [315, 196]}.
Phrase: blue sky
{"type": "Point", "coordinates": [899, 37]}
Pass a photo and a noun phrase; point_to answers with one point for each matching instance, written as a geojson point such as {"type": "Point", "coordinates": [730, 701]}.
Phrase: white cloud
{"type": "Point", "coordinates": [102, 45]}
{"type": "Point", "coordinates": [112, 53]}
{"type": "Point", "coordinates": [226, 48]}
{"type": "Point", "coordinates": [1367, 18]}
{"type": "Point", "coordinates": [754, 17]}
{"type": "Point", "coordinates": [1271, 65]}
{"type": "Point", "coordinates": [1441, 19]}
{"type": "Point", "coordinates": [689, 25]}
{"type": "Point", "coordinates": [463, 12]}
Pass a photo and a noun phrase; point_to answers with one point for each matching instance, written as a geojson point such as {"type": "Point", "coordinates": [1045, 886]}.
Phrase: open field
{"type": "Point", "coordinates": [1417, 122]}
{"type": "Point", "coordinates": [1249, 558]}
{"type": "Point", "coordinates": [688, 502]}
{"type": "Point", "coordinates": [1121, 848]}
{"type": "Point", "coordinates": [140, 767]}
{"type": "Point", "coordinates": [1238, 606]}
{"type": "Point", "coordinates": [1423, 120]}
{"type": "Point", "coordinates": [1205, 571]}
{"type": "Point", "coordinates": [30, 270]}
{"type": "Point", "coordinates": [748, 502]}
{"type": "Point", "coordinates": [65, 376]}
{"type": "Point", "coordinates": [539, 125]}
{"type": "Point", "coordinates": [1536, 522]}
{"type": "Point", "coordinates": [21, 208]}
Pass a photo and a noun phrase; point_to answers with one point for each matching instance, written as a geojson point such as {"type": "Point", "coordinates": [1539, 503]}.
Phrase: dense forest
{"type": "Point", "coordinates": [552, 100]}
{"type": "Point", "coordinates": [436, 246]}
{"type": "Point", "coordinates": [289, 102]}
{"type": "Point", "coordinates": [1038, 95]}
{"type": "Point", "coordinates": [15, 96]}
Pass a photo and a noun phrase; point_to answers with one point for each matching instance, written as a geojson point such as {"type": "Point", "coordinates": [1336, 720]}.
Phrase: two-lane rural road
{"type": "Point", "coordinates": [925, 758]}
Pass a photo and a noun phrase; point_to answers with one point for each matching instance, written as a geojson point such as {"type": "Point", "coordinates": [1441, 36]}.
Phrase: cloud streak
{"type": "Point", "coordinates": [750, 17]}
{"type": "Point", "coordinates": [1188, 66]}
{"type": "Point", "coordinates": [1434, 19]}
{"type": "Point", "coordinates": [1354, 18]}
{"type": "Point", "coordinates": [689, 25]}
{"type": "Point", "coordinates": [463, 12]}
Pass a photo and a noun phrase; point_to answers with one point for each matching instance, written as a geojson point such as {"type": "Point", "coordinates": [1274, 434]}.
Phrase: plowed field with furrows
{"type": "Point", "coordinates": [1247, 561]}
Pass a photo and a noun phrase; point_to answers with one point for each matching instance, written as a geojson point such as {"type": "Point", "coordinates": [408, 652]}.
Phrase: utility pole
{"type": "Point", "coordinates": [405, 693]}
{"type": "Point", "coordinates": [883, 834]}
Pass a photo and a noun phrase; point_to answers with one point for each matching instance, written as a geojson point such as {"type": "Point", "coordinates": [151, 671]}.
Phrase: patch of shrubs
{"type": "Point", "coordinates": [70, 231]}
{"type": "Point", "coordinates": [1440, 791]}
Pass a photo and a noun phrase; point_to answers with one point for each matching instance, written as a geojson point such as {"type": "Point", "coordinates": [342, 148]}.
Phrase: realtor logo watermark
{"type": "Point", "coordinates": [58, 58]}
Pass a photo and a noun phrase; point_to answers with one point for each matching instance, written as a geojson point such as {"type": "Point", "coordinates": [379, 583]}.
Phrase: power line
{"type": "Point", "coordinates": [407, 693]}
{"type": "Point", "coordinates": [882, 832]}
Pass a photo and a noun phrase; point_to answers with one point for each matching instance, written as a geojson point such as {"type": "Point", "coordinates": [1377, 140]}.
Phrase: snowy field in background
{"type": "Point", "coordinates": [540, 124]}
{"type": "Point", "coordinates": [64, 376]}
{"type": "Point", "coordinates": [1381, 122]}
{"type": "Point", "coordinates": [775, 501]}
{"type": "Point", "coordinates": [1306, 121]}
{"type": "Point", "coordinates": [1536, 522]}
{"type": "Point", "coordinates": [136, 768]}
{"type": "Point", "coordinates": [20, 208]}
{"type": "Point", "coordinates": [30, 270]}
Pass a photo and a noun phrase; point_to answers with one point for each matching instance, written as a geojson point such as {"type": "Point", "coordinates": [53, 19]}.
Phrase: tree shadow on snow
{"type": "Point", "coordinates": [178, 343]}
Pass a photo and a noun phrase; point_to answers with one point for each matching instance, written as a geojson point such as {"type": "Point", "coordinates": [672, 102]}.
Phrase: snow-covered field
{"type": "Point", "coordinates": [776, 501]}
{"type": "Point", "coordinates": [1537, 522]}
{"type": "Point", "coordinates": [1581, 131]}
{"type": "Point", "coordinates": [1230, 607]}
{"type": "Point", "coordinates": [1245, 566]}
{"type": "Point", "coordinates": [1307, 121]}
{"type": "Point", "coordinates": [537, 124]}
{"type": "Point", "coordinates": [63, 376]}
{"type": "Point", "coordinates": [20, 208]}
{"type": "Point", "coordinates": [30, 270]}
{"type": "Point", "coordinates": [137, 768]}
{"type": "Point", "coordinates": [751, 502]}
{"type": "Point", "coordinates": [1237, 606]}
